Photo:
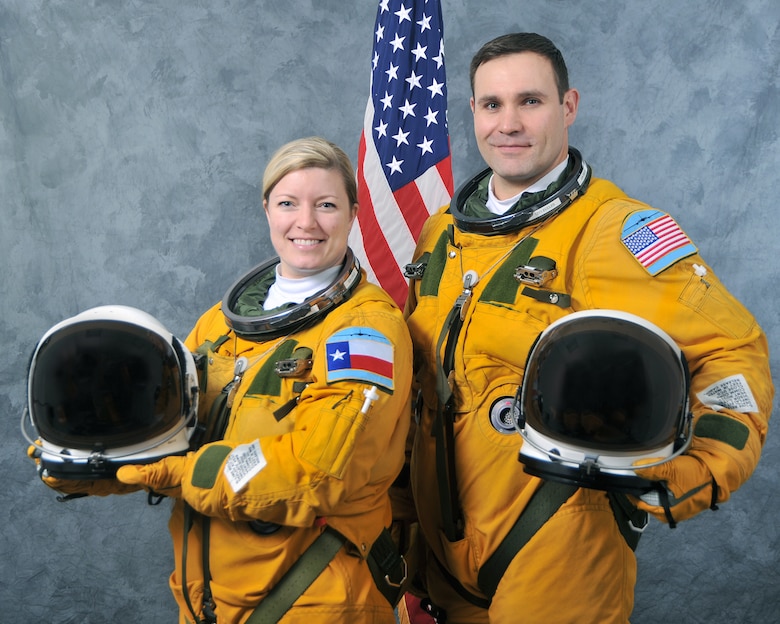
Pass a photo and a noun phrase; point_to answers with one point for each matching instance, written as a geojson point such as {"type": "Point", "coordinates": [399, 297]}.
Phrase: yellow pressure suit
{"type": "Point", "coordinates": [577, 567]}
{"type": "Point", "coordinates": [327, 464]}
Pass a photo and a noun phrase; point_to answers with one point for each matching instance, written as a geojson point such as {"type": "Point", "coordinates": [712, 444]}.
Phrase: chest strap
{"type": "Point", "coordinates": [298, 578]}
{"type": "Point", "coordinates": [387, 567]}
{"type": "Point", "coordinates": [542, 506]}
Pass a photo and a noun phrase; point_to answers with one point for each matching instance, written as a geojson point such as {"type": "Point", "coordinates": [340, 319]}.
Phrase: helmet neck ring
{"type": "Point", "coordinates": [282, 322]}
{"type": "Point", "coordinates": [575, 185]}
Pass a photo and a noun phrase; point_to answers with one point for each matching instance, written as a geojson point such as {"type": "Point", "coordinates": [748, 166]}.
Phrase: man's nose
{"type": "Point", "coordinates": [511, 120]}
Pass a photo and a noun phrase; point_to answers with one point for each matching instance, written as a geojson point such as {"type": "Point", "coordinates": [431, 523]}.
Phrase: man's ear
{"type": "Point", "coordinates": [571, 102]}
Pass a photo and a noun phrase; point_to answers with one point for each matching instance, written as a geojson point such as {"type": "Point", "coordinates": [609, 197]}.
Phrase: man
{"type": "Point", "coordinates": [581, 244]}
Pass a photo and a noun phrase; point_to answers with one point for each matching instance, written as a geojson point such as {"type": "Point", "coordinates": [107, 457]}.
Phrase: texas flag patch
{"type": "Point", "coordinates": [655, 240]}
{"type": "Point", "coordinates": [360, 354]}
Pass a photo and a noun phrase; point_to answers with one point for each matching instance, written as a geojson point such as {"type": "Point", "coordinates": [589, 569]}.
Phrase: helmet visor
{"type": "Point", "coordinates": [605, 385]}
{"type": "Point", "coordinates": [104, 384]}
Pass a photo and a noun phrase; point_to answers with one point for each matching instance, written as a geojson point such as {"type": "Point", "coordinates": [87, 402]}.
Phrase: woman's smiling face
{"type": "Point", "coordinates": [309, 216]}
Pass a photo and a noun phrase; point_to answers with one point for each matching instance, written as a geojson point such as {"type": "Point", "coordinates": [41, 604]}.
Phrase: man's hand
{"type": "Point", "coordinates": [688, 487]}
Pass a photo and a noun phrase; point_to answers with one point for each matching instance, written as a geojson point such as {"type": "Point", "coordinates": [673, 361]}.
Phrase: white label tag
{"type": "Point", "coordinates": [730, 393]}
{"type": "Point", "coordinates": [244, 463]}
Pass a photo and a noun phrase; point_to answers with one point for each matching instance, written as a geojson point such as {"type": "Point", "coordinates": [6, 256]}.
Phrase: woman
{"type": "Point", "coordinates": [317, 366]}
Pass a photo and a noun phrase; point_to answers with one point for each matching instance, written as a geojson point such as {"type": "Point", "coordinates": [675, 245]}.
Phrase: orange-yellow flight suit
{"type": "Point", "coordinates": [328, 463]}
{"type": "Point", "coordinates": [577, 567]}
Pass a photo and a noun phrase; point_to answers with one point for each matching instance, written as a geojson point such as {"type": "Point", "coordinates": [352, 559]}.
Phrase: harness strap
{"type": "Point", "coordinates": [210, 617]}
{"type": "Point", "coordinates": [388, 567]}
{"type": "Point", "coordinates": [477, 601]}
{"type": "Point", "coordinates": [443, 427]}
{"type": "Point", "coordinates": [298, 578]}
{"type": "Point", "coordinates": [630, 520]}
{"type": "Point", "coordinates": [542, 506]}
{"type": "Point", "coordinates": [189, 518]}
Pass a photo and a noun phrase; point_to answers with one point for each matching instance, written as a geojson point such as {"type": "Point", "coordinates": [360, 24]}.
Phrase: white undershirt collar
{"type": "Point", "coordinates": [286, 290]}
{"type": "Point", "coordinates": [501, 206]}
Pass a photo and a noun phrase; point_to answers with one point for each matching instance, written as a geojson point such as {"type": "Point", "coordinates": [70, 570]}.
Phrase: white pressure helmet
{"type": "Point", "coordinates": [602, 390]}
{"type": "Point", "coordinates": [107, 387]}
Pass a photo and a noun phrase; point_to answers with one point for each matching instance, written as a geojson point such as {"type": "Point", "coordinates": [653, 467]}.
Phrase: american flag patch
{"type": "Point", "coordinates": [655, 240]}
{"type": "Point", "coordinates": [360, 354]}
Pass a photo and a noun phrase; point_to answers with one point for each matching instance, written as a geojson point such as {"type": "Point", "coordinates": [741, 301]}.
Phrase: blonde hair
{"type": "Point", "coordinates": [310, 152]}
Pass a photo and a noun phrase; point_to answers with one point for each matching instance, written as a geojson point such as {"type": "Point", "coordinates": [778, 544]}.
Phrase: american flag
{"type": "Point", "coordinates": [404, 165]}
{"type": "Point", "coordinates": [655, 240]}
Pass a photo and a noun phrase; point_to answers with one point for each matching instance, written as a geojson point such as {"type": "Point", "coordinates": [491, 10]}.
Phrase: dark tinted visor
{"type": "Point", "coordinates": [105, 384]}
{"type": "Point", "coordinates": [606, 385]}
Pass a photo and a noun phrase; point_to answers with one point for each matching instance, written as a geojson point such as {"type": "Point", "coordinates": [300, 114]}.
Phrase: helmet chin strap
{"type": "Point", "coordinates": [574, 186]}
{"type": "Point", "coordinates": [290, 319]}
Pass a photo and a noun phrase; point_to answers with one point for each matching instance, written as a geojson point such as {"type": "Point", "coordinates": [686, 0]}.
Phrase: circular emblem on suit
{"type": "Point", "coordinates": [502, 415]}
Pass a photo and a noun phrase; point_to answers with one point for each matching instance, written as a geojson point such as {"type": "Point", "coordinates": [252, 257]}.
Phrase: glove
{"type": "Point", "coordinates": [162, 477]}
{"type": "Point", "coordinates": [197, 477]}
{"type": "Point", "coordinates": [77, 488]}
{"type": "Point", "coordinates": [685, 487]}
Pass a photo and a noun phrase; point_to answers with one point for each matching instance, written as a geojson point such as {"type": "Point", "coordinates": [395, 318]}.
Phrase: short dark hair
{"type": "Point", "coordinates": [515, 43]}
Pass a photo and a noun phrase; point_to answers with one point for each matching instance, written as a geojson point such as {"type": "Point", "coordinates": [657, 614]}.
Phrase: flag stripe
{"type": "Point", "coordinates": [372, 364]}
{"type": "Point", "coordinates": [663, 248]}
{"type": "Point", "coordinates": [444, 167]}
{"type": "Point", "coordinates": [412, 207]}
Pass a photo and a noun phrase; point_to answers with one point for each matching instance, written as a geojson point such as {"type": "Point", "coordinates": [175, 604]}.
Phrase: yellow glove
{"type": "Point", "coordinates": [76, 488]}
{"type": "Point", "coordinates": [197, 477]}
{"type": "Point", "coordinates": [686, 487]}
{"type": "Point", "coordinates": [162, 477]}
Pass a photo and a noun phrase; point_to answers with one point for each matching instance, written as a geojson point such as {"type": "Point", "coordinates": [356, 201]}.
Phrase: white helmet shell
{"type": "Point", "coordinates": [602, 390]}
{"type": "Point", "coordinates": [107, 387]}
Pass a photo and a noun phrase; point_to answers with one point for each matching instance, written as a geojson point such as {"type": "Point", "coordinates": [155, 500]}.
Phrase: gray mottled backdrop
{"type": "Point", "coordinates": [132, 139]}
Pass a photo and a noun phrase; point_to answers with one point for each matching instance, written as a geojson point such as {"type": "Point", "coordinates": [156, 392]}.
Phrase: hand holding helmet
{"type": "Point", "coordinates": [77, 488]}
{"type": "Point", "coordinates": [198, 477]}
{"type": "Point", "coordinates": [688, 487]}
{"type": "Point", "coordinates": [161, 477]}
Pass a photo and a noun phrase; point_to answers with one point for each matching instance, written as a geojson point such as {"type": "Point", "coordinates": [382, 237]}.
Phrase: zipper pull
{"type": "Point", "coordinates": [470, 279]}
{"type": "Point", "coordinates": [238, 371]}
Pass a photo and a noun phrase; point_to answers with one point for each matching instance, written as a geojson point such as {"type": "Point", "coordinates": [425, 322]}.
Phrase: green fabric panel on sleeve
{"type": "Point", "coordinates": [723, 429]}
{"type": "Point", "coordinates": [208, 464]}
